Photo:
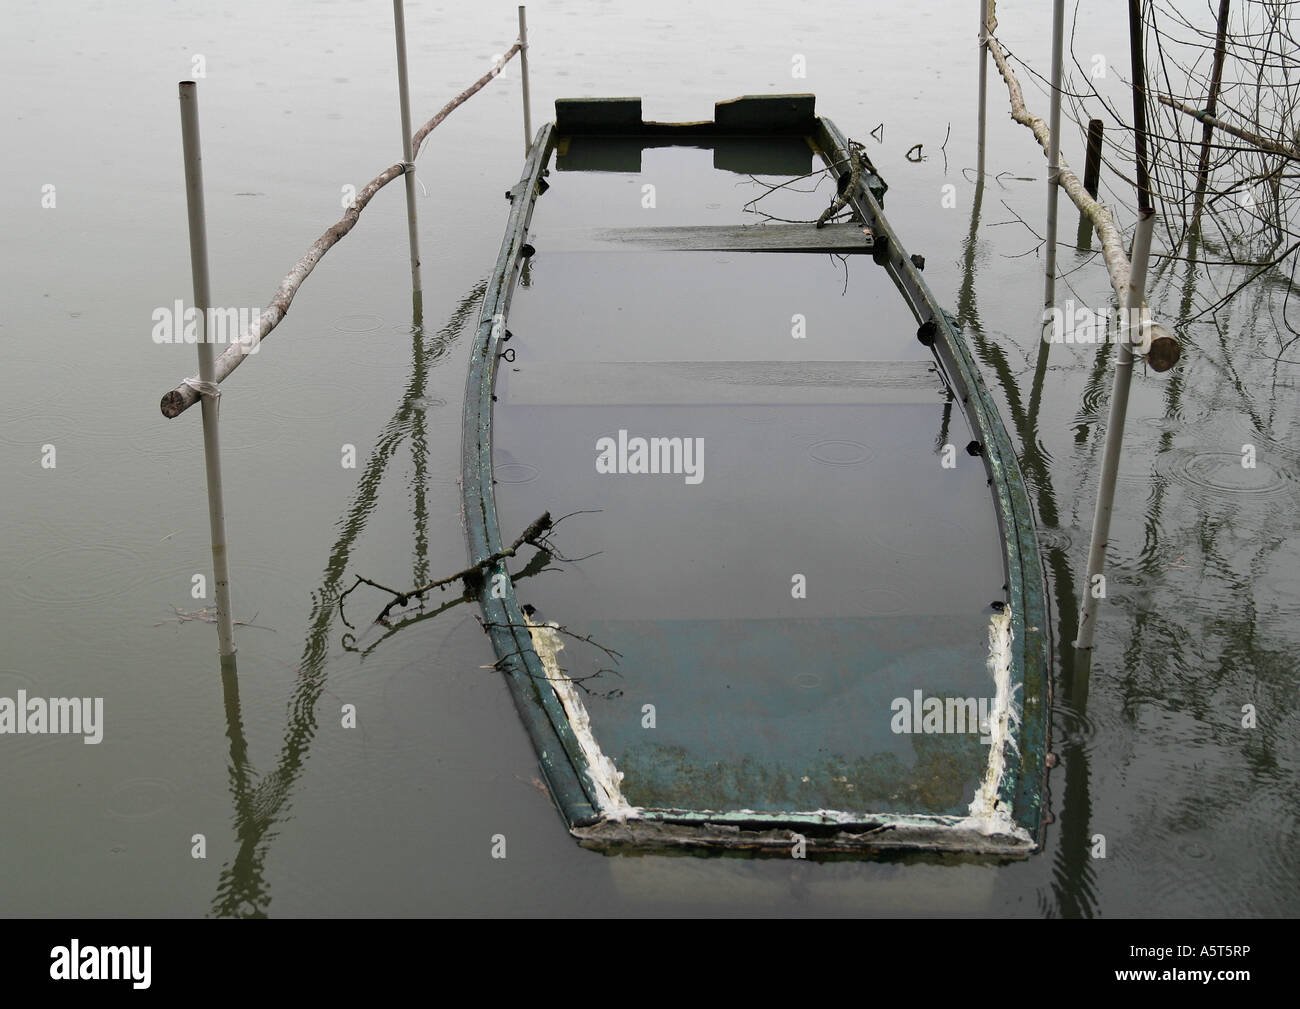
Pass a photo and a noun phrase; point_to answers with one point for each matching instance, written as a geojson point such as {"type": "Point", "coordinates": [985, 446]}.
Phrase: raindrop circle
{"type": "Point", "coordinates": [839, 452]}
{"type": "Point", "coordinates": [516, 472]}
{"type": "Point", "coordinates": [358, 323]}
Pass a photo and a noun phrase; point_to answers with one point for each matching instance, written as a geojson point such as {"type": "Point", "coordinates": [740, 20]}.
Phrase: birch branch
{"type": "Point", "coordinates": [1112, 242]}
{"type": "Point", "coordinates": [1263, 143]}
{"type": "Point", "coordinates": [184, 395]}
{"type": "Point", "coordinates": [418, 138]}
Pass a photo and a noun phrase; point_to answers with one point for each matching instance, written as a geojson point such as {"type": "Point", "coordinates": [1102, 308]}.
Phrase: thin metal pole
{"type": "Point", "coordinates": [1211, 101]}
{"type": "Point", "coordinates": [408, 160]}
{"type": "Point", "coordinates": [1054, 151]}
{"type": "Point", "coordinates": [1139, 103]}
{"type": "Point", "coordinates": [207, 371]}
{"type": "Point", "coordinates": [1129, 333]}
{"type": "Point", "coordinates": [523, 73]}
{"type": "Point", "coordinates": [1092, 161]}
{"type": "Point", "coordinates": [984, 75]}
{"type": "Point", "coordinates": [1091, 180]}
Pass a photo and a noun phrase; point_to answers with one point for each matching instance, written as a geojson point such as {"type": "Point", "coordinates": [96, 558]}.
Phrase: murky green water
{"type": "Point", "coordinates": [762, 596]}
{"type": "Point", "coordinates": [302, 816]}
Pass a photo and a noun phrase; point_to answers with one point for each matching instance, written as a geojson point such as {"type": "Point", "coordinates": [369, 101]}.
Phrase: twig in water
{"type": "Point", "coordinates": [565, 677]}
{"type": "Point", "coordinates": [1033, 249]}
{"type": "Point", "coordinates": [586, 638]}
{"type": "Point", "coordinates": [537, 534]}
{"type": "Point", "coordinates": [751, 208]}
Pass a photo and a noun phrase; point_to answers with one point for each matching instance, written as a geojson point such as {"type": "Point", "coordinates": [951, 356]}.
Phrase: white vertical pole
{"type": "Point", "coordinates": [408, 160]}
{"type": "Point", "coordinates": [984, 76]}
{"type": "Point", "coordinates": [207, 375]}
{"type": "Point", "coordinates": [1130, 333]}
{"type": "Point", "coordinates": [1054, 151]}
{"type": "Point", "coordinates": [523, 72]}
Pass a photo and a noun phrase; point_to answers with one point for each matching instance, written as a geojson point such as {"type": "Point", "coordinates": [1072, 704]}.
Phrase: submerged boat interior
{"type": "Point", "coordinates": [800, 596]}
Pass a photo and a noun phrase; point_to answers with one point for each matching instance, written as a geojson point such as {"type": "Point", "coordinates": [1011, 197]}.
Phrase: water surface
{"type": "Point", "coordinates": [302, 816]}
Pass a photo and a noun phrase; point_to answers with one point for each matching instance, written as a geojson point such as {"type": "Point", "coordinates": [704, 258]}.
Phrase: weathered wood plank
{"type": "Point", "coordinates": [766, 114]}
{"type": "Point", "coordinates": [833, 238]}
{"type": "Point", "coordinates": [597, 115]}
{"type": "Point", "coordinates": [681, 383]}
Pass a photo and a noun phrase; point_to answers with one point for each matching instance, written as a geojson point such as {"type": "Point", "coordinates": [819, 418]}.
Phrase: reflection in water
{"type": "Point", "coordinates": [1207, 504]}
{"type": "Point", "coordinates": [262, 801]}
{"type": "Point", "coordinates": [1176, 690]}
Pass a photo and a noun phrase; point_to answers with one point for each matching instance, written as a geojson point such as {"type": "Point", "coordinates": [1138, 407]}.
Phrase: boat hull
{"type": "Point", "coordinates": [813, 754]}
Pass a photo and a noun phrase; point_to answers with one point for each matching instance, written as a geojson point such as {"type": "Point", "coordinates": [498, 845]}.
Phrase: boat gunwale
{"type": "Point", "coordinates": [560, 755]}
{"type": "Point", "coordinates": [558, 750]}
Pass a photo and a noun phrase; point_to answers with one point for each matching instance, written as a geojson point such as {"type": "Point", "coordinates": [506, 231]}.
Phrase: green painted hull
{"type": "Point", "coordinates": [723, 794]}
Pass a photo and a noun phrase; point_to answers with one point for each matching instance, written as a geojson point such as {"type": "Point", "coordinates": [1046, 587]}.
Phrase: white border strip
{"type": "Point", "coordinates": [600, 769]}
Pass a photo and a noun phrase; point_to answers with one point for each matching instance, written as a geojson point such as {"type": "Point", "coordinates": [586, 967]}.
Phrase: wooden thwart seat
{"type": "Point", "coordinates": [680, 383]}
{"type": "Point", "coordinates": [832, 238]}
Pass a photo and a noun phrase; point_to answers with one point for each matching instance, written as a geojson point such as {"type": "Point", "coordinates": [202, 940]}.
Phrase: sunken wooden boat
{"type": "Point", "coordinates": [809, 615]}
